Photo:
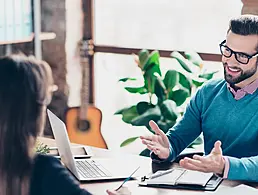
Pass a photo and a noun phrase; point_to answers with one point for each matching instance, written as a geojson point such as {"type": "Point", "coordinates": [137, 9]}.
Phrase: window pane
{"type": "Point", "coordinates": [111, 96]}
{"type": "Point", "coordinates": [168, 24]}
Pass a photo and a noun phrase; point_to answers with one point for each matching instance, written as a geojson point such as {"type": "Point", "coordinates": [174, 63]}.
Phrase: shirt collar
{"type": "Point", "coordinates": [240, 93]}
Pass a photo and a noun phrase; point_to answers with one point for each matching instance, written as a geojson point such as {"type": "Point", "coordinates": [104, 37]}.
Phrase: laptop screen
{"type": "Point", "coordinates": [62, 142]}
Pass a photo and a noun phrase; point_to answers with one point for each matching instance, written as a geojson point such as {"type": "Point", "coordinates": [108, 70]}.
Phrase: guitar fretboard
{"type": "Point", "coordinates": [85, 67]}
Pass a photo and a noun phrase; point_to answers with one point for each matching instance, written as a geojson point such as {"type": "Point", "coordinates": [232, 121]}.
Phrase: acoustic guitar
{"type": "Point", "coordinates": [84, 122]}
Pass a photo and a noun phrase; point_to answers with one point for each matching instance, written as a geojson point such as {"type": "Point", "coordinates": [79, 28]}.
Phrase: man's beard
{"type": "Point", "coordinates": [243, 75]}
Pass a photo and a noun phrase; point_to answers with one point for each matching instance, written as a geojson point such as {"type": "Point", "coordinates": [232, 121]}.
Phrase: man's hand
{"type": "Point", "coordinates": [157, 143]}
{"type": "Point", "coordinates": [214, 162]}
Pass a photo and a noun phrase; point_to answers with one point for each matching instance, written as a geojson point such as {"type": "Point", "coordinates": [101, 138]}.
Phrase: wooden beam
{"type": "Point", "coordinates": [163, 53]}
{"type": "Point", "coordinates": [87, 9]}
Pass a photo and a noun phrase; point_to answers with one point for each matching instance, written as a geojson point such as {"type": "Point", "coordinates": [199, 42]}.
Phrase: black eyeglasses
{"type": "Point", "coordinates": [241, 57]}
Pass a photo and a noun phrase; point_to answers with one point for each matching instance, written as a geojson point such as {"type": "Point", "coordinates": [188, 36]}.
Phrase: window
{"type": "Point", "coordinates": [166, 24]}
{"type": "Point", "coordinates": [110, 95]}
{"type": "Point", "coordinates": [198, 25]}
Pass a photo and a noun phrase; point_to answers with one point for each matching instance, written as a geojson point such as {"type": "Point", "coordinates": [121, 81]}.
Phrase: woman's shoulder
{"type": "Point", "coordinates": [45, 160]}
{"type": "Point", "coordinates": [45, 164]}
{"type": "Point", "coordinates": [48, 173]}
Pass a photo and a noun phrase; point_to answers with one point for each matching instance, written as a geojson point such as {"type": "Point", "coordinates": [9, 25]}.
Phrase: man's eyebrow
{"type": "Point", "coordinates": [241, 52]}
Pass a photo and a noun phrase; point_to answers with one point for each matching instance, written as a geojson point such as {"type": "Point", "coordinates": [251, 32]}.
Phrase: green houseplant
{"type": "Point", "coordinates": [41, 148]}
{"type": "Point", "coordinates": [170, 91]}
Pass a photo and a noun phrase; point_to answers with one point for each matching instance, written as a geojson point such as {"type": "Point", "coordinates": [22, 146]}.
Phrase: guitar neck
{"type": "Point", "coordinates": [85, 67]}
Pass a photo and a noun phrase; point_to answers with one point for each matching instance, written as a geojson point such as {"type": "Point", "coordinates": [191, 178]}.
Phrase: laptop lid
{"type": "Point", "coordinates": [113, 166]}
{"type": "Point", "coordinates": [62, 142]}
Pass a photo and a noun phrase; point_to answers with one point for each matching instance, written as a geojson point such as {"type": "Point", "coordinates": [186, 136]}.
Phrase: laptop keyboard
{"type": "Point", "coordinates": [91, 169]}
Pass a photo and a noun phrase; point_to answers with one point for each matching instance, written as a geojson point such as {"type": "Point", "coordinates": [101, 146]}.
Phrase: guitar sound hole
{"type": "Point", "coordinates": [83, 125]}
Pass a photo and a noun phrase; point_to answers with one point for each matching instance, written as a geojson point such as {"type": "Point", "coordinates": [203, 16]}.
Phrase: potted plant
{"type": "Point", "coordinates": [170, 91]}
{"type": "Point", "coordinates": [41, 148]}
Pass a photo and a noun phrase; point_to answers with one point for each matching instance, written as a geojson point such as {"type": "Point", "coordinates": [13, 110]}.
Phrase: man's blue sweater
{"type": "Point", "coordinates": [214, 111]}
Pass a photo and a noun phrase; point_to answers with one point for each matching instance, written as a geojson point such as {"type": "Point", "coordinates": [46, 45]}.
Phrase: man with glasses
{"type": "Point", "coordinates": [225, 111]}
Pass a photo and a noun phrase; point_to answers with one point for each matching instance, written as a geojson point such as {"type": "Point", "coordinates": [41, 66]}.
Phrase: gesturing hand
{"type": "Point", "coordinates": [158, 143]}
{"type": "Point", "coordinates": [214, 162]}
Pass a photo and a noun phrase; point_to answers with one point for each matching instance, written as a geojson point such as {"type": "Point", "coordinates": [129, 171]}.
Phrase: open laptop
{"type": "Point", "coordinates": [90, 169]}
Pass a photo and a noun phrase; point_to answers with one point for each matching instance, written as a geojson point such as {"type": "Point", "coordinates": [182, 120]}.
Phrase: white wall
{"type": "Point", "coordinates": [168, 24]}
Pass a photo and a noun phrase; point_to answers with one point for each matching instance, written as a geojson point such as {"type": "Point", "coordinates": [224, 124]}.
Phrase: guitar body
{"type": "Point", "coordinates": [83, 123]}
{"type": "Point", "coordinates": [86, 132]}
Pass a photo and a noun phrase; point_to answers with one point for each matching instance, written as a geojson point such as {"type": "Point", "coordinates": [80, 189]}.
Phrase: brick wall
{"type": "Point", "coordinates": [53, 18]}
{"type": "Point", "coordinates": [250, 7]}
{"type": "Point", "coordinates": [64, 17]}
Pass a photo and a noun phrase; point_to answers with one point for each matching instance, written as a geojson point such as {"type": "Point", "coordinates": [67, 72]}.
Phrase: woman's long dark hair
{"type": "Point", "coordinates": [24, 84]}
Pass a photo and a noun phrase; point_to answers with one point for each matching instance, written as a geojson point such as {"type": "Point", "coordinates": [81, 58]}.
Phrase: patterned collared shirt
{"type": "Point", "coordinates": [240, 93]}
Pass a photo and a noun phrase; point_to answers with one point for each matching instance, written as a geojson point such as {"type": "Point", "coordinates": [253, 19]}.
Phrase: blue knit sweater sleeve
{"type": "Point", "coordinates": [243, 168]}
{"type": "Point", "coordinates": [214, 111]}
{"type": "Point", "coordinates": [188, 128]}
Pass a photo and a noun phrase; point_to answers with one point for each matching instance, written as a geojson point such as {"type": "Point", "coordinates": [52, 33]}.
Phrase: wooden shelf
{"type": "Point", "coordinates": [43, 36]}
{"type": "Point", "coordinates": [29, 39]}
{"type": "Point", "coordinates": [47, 36]}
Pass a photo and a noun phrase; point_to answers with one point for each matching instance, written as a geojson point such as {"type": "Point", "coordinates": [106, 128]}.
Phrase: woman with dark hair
{"type": "Point", "coordinates": [26, 87]}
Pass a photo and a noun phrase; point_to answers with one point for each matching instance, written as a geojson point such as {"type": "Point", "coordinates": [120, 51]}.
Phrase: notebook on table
{"type": "Point", "coordinates": [182, 179]}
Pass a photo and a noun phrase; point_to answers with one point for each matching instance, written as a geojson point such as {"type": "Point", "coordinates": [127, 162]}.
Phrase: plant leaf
{"type": "Point", "coordinates": [143, 107]}
{"type": "Point", "coordinates": [41, 148]}
{"type": "Point", "coordinates": [129, 114]}
{"type": "Point", "coordinates": [193, 77]}
{"type": "Point", "coordinates": [160, 89]}
{"type": "Point", "coordinates": [170, 123]}
{"type": "Point", "coordinates": [150, 77]}
{"type": "Point", "coordinates": [185, 82]}
{"type": "Point", "coordinates": [165, 125]}
{"type": "Point", "coordinates": [143, 57]}
{"type": "Point", "coordinates": [140, 90]}
{"type": "Point", "coordinates": [169, 110]}
{"type": "Point", "coordinates": [197, 141]}
{"type": "Point", "coordinates": [126, 79]}
{"type": "Point", "coordinates": [145, 152]}
{"type": "Point", "coordinates": [153, 59]}
{"type": "Point", "coordinates": [182, 61]}
{"type": "Point", "coordinates": [194, 58]}
{"type": "Point", "coordinates": [171, 79]}
{"type": "Point", "coordinates": [128, 141]}
{"type": "Point", "coordinates": [162, 125]}
{"type": "Point", "coordinates": [179, 96]}
{"type": "Point", "coordinates": [207, 76]}
{"type": "Point", "coordinates": [120, 111]}
{"type": "Point", "coordinates": [197, 83]}
{"type": "Point", "coordinates": [150, 114]}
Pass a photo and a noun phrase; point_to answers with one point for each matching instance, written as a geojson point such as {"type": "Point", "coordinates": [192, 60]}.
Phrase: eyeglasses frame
{"type": "Point", "coordinates": [235, 53]}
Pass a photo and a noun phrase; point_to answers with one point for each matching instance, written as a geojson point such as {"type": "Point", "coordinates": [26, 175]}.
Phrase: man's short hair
{"type": "Point", "coordinates": [244, 25]}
